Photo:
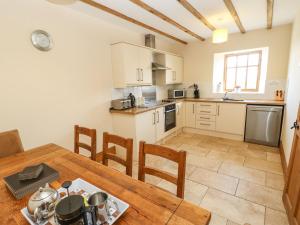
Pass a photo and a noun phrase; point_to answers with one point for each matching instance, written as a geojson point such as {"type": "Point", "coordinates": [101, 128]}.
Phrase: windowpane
{"type": "Point", "coordinates": [231, 61]}
{"type": "Point", "coordinates": [252, 77]}
{"type": "Point", "coordinates": [242, 60]}
{"type": "Point", "coordinates": [241, 77]}
{"type": "Point", "coordinates": [253, 59]}
{"type": "Point", "coordinates": [230, 79]}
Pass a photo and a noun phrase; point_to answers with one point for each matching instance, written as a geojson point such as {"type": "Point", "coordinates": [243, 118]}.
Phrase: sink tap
{"type": "Point", "coordinates": [225, 95]}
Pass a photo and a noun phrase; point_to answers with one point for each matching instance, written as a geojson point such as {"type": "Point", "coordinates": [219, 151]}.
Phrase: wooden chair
{"type": "Point", "coordinates": [126, 143]}
{"type": "Point", "coordinates": [167, 153]}
{"type": "Point", "coordinates": [10, 143]}
{"type": "Point", "coordinates": [87, 132]}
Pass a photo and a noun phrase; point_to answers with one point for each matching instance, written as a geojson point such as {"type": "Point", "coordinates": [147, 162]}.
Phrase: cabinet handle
{"type": "Point", "coordinates": [154, 118]}
{"type": "Point", "coordinates": [204, 111]}
{"type": "Point", "coordinates": [157, 117]}
{"type": "Point", "coordinates": [142, 74]}
{"type": "Point", "coordinates": [175, 75]}
{"type": "Point", "coordinates": [204, 105]}
{"type": "Point", "coordinates": [218, 110]}
{"type": "Point", "coordinates": [205, 124]}
{"type": "Point", "coordinates": [137, 74]}
{"type": "Point", "coordinates": [204, 118]}
{"type": "Point", "coordinates": [193, 108]}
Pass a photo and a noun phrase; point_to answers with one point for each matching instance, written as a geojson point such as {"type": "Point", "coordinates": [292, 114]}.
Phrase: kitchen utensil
{"type": "Point", "coordinates": [42, 203]}
{"type": "Point", "coordinates": [132, 99]}
{"type": "Point", "coordinates": [71, 210]}
{"type": "Point", "coordinates": [102, 203]}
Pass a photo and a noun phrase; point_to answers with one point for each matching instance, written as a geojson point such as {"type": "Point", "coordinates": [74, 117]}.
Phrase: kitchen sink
{"type": "Point", "coordinates": [233, 99]}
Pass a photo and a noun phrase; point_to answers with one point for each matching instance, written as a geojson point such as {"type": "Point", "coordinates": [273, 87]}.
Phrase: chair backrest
{"type": "Point", "coordinates": [167, 153]}
{"type": "Point", "coordinates": [10, 143]}
{"type": "Point", "coordinates": [126, 143]}
{"type": "Point", "coordinates": [92, 133]}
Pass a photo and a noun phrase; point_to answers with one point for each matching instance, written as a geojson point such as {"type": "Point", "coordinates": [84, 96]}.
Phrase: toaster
{"type": "Point", "coordinates": [121, 104]}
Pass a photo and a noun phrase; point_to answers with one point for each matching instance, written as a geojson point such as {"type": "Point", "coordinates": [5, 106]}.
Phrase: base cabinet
{"type": "Point", "coordinates": [180, 115]}
{"type": "Point", "coordinates": [190, 114]}
{"type": "Point", "coordinates": [231, 118]}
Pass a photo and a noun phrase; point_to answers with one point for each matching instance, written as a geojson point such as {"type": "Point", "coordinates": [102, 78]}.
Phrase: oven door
{"type": "Point", "coordinates": [170, 119]}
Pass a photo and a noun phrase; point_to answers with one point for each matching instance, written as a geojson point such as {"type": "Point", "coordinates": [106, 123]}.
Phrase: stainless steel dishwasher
{"type": "Point", "coordinates": [263, 124]}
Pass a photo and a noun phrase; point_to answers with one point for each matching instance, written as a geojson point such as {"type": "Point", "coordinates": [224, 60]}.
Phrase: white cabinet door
{"type": "Point", "coordinates": [160, 123]}
{"type": "Point", "coordinates": [146, 127]}
{"type": "Point", "coordinates": [125, 65]}
{"type": "Point", "coordinates": [190, 114]}
{"type": "Point", "coordinates": [231, 118]}
{"type": "Point", "coordinates": [180, 115]}
{"type": "Point", "coordinates": [145, 65]}
{"type": "Point", "coordinates": [178, 69]}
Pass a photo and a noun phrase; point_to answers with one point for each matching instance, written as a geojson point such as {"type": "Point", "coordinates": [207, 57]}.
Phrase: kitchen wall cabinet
{"type": "Point", "coordinates": [174, 75]}
{"type": "Point", "coordinates": [190, 114]}
{"type": "Point", "coordinates": [230, 118]}
{"type": "Point", "coordinates": [131, 65]}
{"type": "Point", "coordinates": [180, 115]}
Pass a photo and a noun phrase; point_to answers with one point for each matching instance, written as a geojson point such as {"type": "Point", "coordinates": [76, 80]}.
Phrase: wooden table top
{"type": "Point", "coordinates": [148, 205]}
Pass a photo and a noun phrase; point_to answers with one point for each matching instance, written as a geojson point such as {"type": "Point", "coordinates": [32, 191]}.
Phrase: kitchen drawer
{"type": "Point", "coordinates": [206, 108]}
{"type": "Point", "coordinates": [206, 125]}
{"type": "Point", "coordinates": [205, 117]}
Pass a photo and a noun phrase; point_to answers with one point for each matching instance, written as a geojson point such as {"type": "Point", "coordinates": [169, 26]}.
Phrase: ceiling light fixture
{"type": "Point", "coordinates": [220, 36]}
{"type": "Point", "coordinates": [62, 2]}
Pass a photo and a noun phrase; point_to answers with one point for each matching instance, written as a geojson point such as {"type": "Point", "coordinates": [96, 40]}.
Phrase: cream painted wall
{"type": "Point", "coordinates": [293, 92]}
{"type": "Point", "coordinates": [198, 58]}
{"type": "Point", "coordinates": [43, 94]}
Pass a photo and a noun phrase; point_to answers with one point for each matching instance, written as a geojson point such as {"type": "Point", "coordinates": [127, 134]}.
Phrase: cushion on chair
{"type": "Point", "coordinates": [10, 143]}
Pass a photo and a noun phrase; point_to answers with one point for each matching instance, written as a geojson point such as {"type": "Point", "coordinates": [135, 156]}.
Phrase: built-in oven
{"type": "Point", "coordinates": [170, 116]}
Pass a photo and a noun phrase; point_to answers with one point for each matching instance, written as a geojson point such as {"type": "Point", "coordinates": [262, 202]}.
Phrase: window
{"type": "Point", "coordinates": [242, 70]}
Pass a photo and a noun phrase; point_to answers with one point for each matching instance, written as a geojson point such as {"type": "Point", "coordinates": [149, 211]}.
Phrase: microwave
{"type": "Point", "coordinates": [176, 93]}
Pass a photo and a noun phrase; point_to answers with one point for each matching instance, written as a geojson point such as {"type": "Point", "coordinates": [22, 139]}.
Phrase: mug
{"type": "Point", "coordinates": [102, 204]}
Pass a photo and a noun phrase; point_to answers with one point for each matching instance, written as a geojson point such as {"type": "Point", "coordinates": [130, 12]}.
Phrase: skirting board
{"type": "Point", "coordinates": [283, 161]}
{"type": "Point", "coordinates": [214, 133]}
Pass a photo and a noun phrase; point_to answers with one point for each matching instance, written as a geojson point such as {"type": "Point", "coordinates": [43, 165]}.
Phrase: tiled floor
{"type": "Point", "coordinates": [239, 183]}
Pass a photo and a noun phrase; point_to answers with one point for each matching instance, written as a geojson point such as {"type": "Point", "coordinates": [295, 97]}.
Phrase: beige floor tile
{"type": "Point", "coordinates": [275, 181]}
{"type": "Point", "coordinates": [260, 194]}
{"type": "Point", "coordinates": [196, 150]}
{"type": "Point", "coordinates": [213, 145]}
{"type": "Point", "coordinates": [233, 208]}
{"type": "Point", "coordinates": [194, 192]}
{"type": "Point", "coordinates": [249, 174]}
{"type": "Point", "coordinates": [172, 167]}
{"type": "Point", "coordinates": [274, 157]}
{"type": "Point", "coordinates": [217, 220]}
{"type": "Point", "coordinates": [274, 217]}
{"type": "Point", "coordinates": [215, 180]}
{"type": "Point", "coordinates": [263, 165]}
{"type": "Point", "coordinates": [233, 143]}
{"type": "Point", "coordinates": [203, 162]}
{"type": "Point", "coordinates": [262, 147]}
{"type": "Point", "coordinates": [174, 141]}
{"type": "Point", "coordinates": [229, 222]}
{"type": "Point", "coordinates": [185, 134]}
{"type": "Point", "coordinates": [227, 157]}
{"type": "Point", "coordinates": [249, 152]}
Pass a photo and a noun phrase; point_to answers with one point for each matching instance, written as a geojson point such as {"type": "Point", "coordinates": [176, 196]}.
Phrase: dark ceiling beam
{"type": "Point", "coordinates": [196, 13]}
{"type": "Point", "coordinates": [235, 15]}
{"type": "Point", "coordinates": [166, 18]}
{"type": "Point", "coordinates": [129, 19]}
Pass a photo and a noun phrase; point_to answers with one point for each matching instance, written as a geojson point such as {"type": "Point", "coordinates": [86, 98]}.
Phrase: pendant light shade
{"type": "Point", "coordinates": [220, 36]}
{"type": "Point", "coordinates": [62, 2]}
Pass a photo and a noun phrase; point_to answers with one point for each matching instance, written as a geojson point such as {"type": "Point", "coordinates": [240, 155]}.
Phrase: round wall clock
{"type": "Point", "coordinates": [41, 40]}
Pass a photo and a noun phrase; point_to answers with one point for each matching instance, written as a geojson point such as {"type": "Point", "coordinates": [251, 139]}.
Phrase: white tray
{"type": "Point", "coordinates": [84, 188]}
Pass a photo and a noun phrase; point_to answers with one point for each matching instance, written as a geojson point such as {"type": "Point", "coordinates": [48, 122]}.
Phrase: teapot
{"type": "Point", "coordinates": [42, 203]}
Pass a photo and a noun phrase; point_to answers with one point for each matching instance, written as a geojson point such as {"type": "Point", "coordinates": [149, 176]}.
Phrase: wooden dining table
{"type": "Point", "coordinates": [147, 204]}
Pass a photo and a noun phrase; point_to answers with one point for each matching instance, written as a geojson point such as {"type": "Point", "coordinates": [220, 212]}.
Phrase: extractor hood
{"type": "Point", "coordinates": [157, 66]}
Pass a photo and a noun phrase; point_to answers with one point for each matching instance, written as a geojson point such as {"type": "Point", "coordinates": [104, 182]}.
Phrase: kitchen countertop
{"type": "Point", "coordinates": [138, 110]}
